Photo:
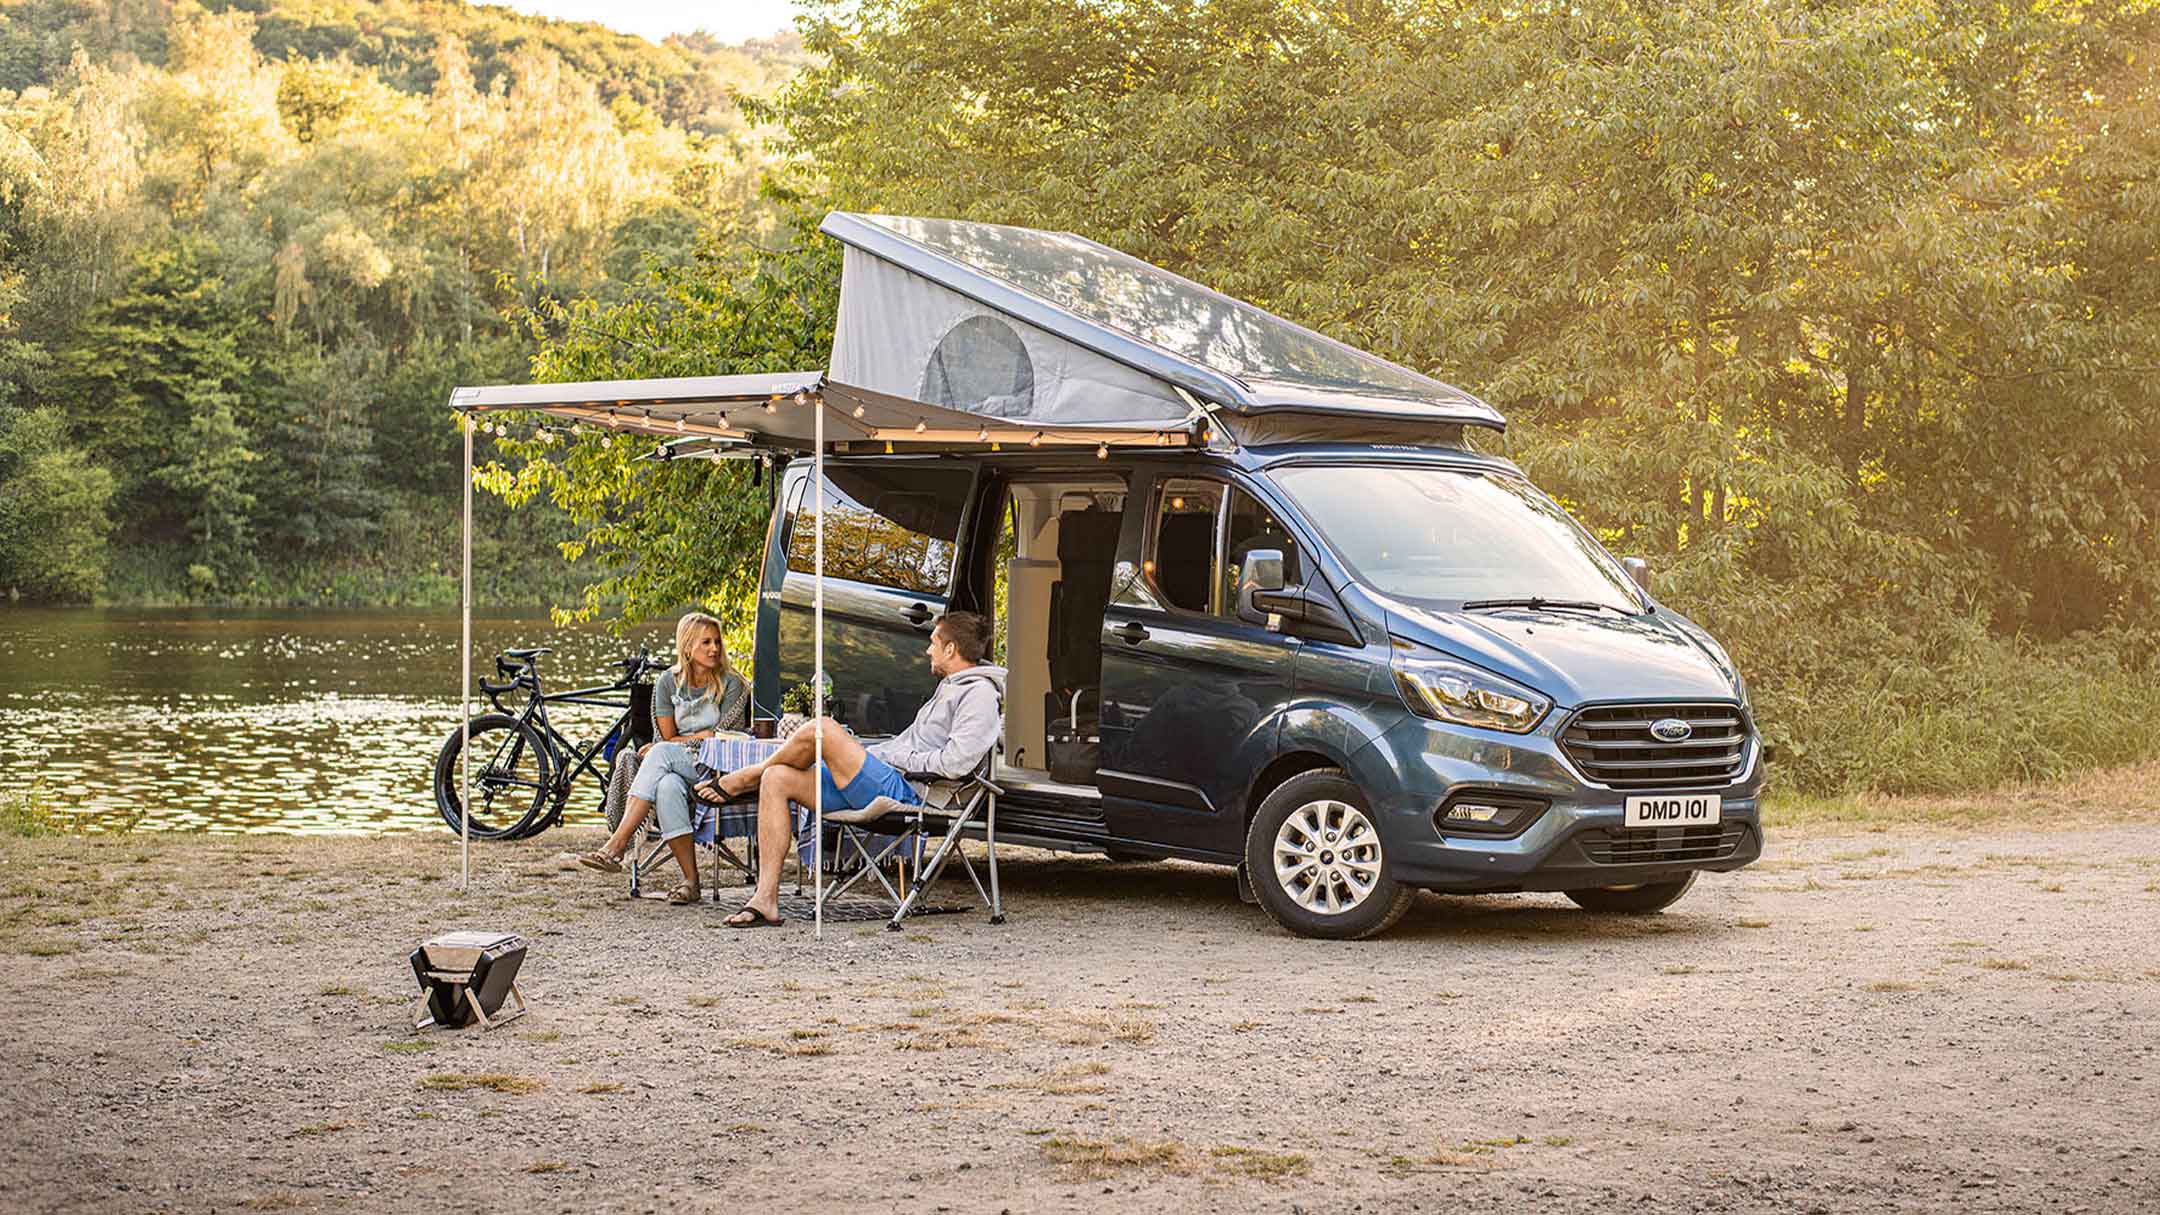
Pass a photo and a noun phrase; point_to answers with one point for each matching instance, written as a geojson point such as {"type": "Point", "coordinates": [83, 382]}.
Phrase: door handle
{"type": "Point", "coordinates": [917, 614]}
{"type": "Point", "coordinates": [1131, 632]}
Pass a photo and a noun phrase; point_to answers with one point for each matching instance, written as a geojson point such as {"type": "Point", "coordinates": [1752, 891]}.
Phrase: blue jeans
{"type": "Point", "coordinates": [664, 777]}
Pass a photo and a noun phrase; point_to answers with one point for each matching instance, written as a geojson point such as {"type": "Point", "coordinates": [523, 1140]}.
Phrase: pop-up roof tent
{"type": "Point", "coordinates": [958, 336]}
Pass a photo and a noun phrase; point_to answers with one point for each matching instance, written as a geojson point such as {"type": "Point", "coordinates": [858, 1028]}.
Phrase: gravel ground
{"type": "Point", "coordinates": [1898, 1019]}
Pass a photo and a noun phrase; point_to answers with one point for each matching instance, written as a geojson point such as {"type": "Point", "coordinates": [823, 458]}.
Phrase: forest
{"type": "Point", "coordinates": [1845, 315]}
{"type": "Point", "coordinates": [246, 251]}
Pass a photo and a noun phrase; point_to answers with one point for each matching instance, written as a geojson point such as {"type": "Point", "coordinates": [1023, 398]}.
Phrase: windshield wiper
{"type": "Point", "coordinates": [1534, 602]}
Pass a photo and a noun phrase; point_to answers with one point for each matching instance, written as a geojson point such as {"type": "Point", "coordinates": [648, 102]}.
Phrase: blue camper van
{"type": "Point", "coordinates": [1331, 638]}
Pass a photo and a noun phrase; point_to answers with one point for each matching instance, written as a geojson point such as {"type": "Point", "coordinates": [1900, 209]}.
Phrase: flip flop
{"type": "Point", "coordinates": [761, 921]}
{"type": "Point", "coordinates": [686, 895]}
{"type": "Point", "coordinates": [597, 859]}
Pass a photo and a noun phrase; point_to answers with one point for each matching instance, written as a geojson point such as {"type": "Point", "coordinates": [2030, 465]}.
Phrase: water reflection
{"type": "Point", "coordinates": [259, 722]}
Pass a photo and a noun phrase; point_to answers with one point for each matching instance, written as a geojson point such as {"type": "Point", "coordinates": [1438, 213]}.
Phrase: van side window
{"type": "Point", "coordinates": [1182, 562]}
{"type": "Point", "coordinates": [893, 526]}
{"type": "Point", "coordinates": [1253, 525]}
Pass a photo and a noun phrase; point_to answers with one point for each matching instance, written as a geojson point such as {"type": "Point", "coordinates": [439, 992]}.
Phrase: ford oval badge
{"type": "Point", "coordinates": [1671, 729]}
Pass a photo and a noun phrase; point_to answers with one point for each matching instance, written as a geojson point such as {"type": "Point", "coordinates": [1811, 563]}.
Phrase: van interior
{"type": "Point", "coordinates": [1057, 547]}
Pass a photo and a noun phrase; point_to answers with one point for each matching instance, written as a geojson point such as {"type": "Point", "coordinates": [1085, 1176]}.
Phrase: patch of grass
{"type": "Point", "coordinates": [1095, 1028]}
{"type": "Point", "coordinates": [955, 1038]}
{"type": "Point", "coordinates": [1094, 1159]}
{"type": "Point", "coordinates": [1682, 969]}
{"type": "Point", "coordinates": [547, 1166]}
{"type": "Point", "coordinates": [29, 814]}
{"type": "Point", "coordinates": [335, 989]}
{"type": "Point", "coordinates": [1252, 1162]}
{"type": "Point", "coordinates": [777, 1046]}
{"type": "Point", "coordinates": [1072, 1080]}
{"type": "Point", "coordinates": [410, 1046]}
{"type": "Point", "coordinates": [599, 1087]}
{"type": "Point", "coordinates": [1863, 928]}
{"type": "Point", "coordinates": [320, 1128]}
{"type": "Point", "coordinates": [1246, 1027]}
{"type": "Point", "coordinates": [1754, 923]}
{"type": "Point", "coordinates": [1557, 1140]}
{"type": "Point", "coordinates": [49, 947]}
{"type": "Point", "coordinates": [1893, 985]}
{"type": "Point", "coordinates": [500, 1082]}
{"type": "Point", "coordinates": [626, 1001]}
{"type": "Point", "coordinates": [2004, 964]}
{"type": "Point", "coordinates": [703, 1001]}
{"type": "Point", "coordinates": [1361, 999]}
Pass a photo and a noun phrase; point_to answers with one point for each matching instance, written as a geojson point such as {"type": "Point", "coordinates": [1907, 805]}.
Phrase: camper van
{"type": "Point", "coordinates": [1329, 635]}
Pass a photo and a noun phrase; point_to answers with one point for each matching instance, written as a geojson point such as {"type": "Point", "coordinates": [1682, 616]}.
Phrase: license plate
{"type": "Point", "coordinates": [1674, 810]}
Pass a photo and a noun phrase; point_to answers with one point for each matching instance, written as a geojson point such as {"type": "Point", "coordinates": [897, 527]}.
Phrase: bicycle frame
{"type": "Point", "coordinates": [559, 744]}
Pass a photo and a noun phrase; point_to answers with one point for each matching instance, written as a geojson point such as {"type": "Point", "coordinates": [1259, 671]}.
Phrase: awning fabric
{"type": "Point", "coordinates": [779, 411]}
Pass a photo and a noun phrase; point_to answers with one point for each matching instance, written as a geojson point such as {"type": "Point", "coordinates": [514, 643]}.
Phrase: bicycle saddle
{"type": "Point", "coordinates": [527, 654]}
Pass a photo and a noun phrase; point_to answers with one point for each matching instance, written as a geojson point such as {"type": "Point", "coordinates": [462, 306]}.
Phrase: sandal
{"type": "Point", "coordinates": [758, 919]}
{"type": "Point", "coordinates": [686, 895]}
{"type": "Point", "coordinates": [601, 861]}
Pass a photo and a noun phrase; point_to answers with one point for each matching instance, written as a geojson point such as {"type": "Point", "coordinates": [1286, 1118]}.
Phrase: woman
{"type": "Point", "coordinates": [697, 698]}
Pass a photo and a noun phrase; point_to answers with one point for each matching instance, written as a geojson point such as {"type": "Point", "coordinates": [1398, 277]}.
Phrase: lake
{"type": "Point", "coordinates": [185, 720]}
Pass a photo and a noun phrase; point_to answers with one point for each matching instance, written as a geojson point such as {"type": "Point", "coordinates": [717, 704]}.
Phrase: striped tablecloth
{"type": "Point", "coordinates": [729, 752]}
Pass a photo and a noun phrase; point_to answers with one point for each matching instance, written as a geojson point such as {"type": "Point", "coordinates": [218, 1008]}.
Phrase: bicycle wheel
{"type": "Point", "coordinates": [510, 777]}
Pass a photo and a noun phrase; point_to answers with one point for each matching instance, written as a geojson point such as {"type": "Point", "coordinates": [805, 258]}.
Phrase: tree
{"type": "Point", "coordinates": [53, 509]}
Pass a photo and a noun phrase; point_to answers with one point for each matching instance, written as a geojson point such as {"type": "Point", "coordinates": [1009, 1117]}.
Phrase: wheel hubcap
{"type": "Point", "coordinates": [1327, 857]}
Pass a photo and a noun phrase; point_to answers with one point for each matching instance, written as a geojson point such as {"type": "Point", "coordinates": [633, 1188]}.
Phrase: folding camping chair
{"type": "Point", "coordinates": [950, 805]}
{"type": "Point", "coordinates": [711, 823]}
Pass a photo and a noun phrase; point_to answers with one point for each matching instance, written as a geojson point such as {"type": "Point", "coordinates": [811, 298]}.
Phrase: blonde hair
{"type": "Point", "coordinates": [686, 632]}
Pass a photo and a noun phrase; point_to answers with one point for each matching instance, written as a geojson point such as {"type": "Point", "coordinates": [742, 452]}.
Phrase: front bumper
{"type": "Point", "coordinates": [1579, 841]}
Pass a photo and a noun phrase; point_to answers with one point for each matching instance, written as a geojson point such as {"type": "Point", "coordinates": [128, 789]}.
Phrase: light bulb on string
{"type": "Point", "coordinates": [858, 411]}
{"type": "Point", "coordinates": [1036, 441]}
{"type": "Point", "coordinates": [1102, 451]}
{"type": "Point", "coordinates": [982, 435]}
{"type": "Point", "coordinates": [921, 426]}
{"type": "Point", "coordinates": [680, 426]}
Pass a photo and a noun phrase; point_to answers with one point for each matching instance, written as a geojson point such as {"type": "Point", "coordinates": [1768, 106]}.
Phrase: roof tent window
{"type": "Point", "coordinates": [981, 365]}
{"type": "Point", "coordinates": [1124, 293]}
{"type": "Point", "coordinates": [889, 526]}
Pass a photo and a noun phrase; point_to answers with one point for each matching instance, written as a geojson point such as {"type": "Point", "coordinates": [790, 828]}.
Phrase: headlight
{"type": "Point", "coordinates": [1445, 690]}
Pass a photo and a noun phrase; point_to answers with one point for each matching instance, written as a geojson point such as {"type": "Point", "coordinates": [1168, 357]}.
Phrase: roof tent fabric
{"type": "Point", "coordinates": [780, 411]}
{"type": "Point", "coordinates": [1016, 322]}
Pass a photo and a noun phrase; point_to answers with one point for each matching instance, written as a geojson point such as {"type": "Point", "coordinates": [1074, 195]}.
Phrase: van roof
{"type": "Point", "coordinates": [1174, 331]}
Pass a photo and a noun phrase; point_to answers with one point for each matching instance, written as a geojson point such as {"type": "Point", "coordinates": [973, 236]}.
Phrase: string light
{"type": "Point", "coordinates": [858, 411]}
{"type": "Point", "coordinates": [921, 426]}
{"type": "Point", "coordinates": [679, 426]}
{"type": "Point", "coordinates": [769, 404]}
{"type": "Point", "coordinates": [983, 435]}
{"type": "Point", "coordinates": [1036, 441]}
{"type": "Point", "coordinates": [802, 396]}
{"type": "Point", "coordinates": [1102, 451]}
{"type": "Point", "coordinates": [607, 440]}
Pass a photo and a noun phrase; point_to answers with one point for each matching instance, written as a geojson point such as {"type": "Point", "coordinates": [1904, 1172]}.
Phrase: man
{"type": "Point", "coordinates": [949, 737]}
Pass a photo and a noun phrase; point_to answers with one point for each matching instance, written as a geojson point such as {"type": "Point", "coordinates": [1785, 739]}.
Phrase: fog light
{"type": "Point", "coordinates": [1485, 813]}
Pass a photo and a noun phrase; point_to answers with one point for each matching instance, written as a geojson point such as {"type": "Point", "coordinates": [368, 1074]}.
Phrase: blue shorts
{"type": "Point", "coordinates": [875, 779]}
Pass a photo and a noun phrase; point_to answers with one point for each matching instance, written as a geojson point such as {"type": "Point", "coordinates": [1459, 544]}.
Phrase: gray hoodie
{"type": "Point", "coordinates": [956, 729]}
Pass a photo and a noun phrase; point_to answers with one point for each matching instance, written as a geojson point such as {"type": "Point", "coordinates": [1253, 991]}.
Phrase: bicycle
{"type": "Point", "coordinates": [522, 766]}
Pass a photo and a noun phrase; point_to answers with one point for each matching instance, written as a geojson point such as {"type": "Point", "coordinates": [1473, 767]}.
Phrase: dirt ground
{"type": "Point", "coordinates": [1873, 1018]}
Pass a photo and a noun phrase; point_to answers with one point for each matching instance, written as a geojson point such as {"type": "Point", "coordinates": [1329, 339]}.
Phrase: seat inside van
{"type": "Point", "coordinates": [1063, 540]}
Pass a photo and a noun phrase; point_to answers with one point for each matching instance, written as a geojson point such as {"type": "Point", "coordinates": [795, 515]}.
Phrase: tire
{"type": "Point", "coordinates": [511, 775]}
{"type": "Point", "coordinates": [1354, 897]}
{"type": "Point", "coordinates": [1639, 899]}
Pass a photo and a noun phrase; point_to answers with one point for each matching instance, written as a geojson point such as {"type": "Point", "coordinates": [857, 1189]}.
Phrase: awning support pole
{"type": "Point", "coordinates": [465, 677]}
{"type": "Point", "coordinates": [817, 678]}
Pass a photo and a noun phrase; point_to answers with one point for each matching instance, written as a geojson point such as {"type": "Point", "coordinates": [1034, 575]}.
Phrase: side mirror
{"type": "Point", "coordinates": [1260, 573]}
{"type": "Point", "coordinates": [1638, 569]}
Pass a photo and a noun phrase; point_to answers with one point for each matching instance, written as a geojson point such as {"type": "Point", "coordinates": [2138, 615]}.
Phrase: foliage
{"type": "Point", "coordinates": [246, 252]}
{"type": "Point", "coordinates": [680, 531]}
{"type": "Point", "coordinates": [53, 520]}
{"type": "Point", "coordinates": [1846, 315]}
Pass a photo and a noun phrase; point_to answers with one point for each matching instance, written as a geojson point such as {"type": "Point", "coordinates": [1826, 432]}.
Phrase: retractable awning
{"type": "Point", "coordinates": [782, 411]}
{"type": "Point", "coordinates": [800, 411]}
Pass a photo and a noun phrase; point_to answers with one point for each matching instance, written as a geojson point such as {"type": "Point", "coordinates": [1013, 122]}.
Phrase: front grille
{"type": "Point", "coordinates": [1662, 845]}
{"type": "Point", "coordinates": [1613, 746]}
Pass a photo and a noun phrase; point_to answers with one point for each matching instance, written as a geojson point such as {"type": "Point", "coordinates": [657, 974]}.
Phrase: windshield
{"type": "Point", "coordinates": [1456, 535]}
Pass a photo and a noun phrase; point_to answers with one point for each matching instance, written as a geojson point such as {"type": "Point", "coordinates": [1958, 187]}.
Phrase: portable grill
{"type": "Point", "coordinates": [465, 977]}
